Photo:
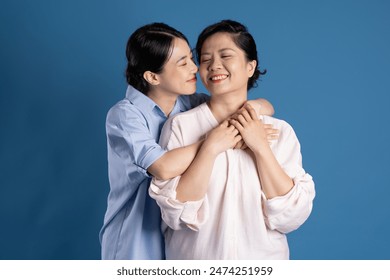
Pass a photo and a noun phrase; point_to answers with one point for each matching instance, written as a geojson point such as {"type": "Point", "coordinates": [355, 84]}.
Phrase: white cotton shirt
{"type": "Point", "coordinates": [234, 220]}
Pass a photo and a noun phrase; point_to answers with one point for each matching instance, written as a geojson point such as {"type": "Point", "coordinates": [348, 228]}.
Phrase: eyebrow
{"type": "Point", "coordinates": [221, 50]}
{"type": "Point", "coordinates": [183, 57]}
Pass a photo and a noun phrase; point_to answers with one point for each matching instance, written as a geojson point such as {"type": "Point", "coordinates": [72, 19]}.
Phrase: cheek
{"type": "Point", "coordinates": [240, 70]}
{"type": "Point", "coordinates": [176, 77]}
{"type": "Point", "coordinates": [202, 74]}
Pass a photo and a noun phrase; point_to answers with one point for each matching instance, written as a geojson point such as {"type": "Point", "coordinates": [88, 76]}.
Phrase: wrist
{"type": "Point", "coordinates": [209, 150]}
{"type": "Point", "coordinates": [261, 151]}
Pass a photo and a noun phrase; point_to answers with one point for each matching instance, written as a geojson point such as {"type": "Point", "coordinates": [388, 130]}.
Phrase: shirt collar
{"type": "Point", "coordinates": [142, 101]}
{"type": "Point", "coordinates": [179, 106]}
{"type": "Point", "coordinates": [139, 99]}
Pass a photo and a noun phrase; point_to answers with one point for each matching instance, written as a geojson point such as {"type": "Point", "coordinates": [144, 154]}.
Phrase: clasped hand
{"type": "Point", "coordinates": [253, 131]}
{"type": "Point", "coordinates": [242, 130]}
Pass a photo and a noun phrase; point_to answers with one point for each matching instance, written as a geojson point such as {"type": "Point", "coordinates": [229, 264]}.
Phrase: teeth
{"type": "Point", "coordinates": [218, 77]}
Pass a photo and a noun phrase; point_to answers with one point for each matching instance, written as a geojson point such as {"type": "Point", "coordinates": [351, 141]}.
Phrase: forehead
{"type": "Point", "coordinates": [219, 41]}
{"type": "Point", "coordinates": [180, 48]}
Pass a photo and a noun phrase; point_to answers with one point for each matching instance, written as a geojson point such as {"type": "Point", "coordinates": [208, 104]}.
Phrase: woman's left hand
{"type": "Point", "coordinates": [253, 131]}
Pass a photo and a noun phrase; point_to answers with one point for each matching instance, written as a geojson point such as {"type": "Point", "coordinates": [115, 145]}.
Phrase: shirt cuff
{"type": "Point", "coordinates": [175, 213]}
{"type": "Point", "coordinates": [192, 216]}
{"type": "Point", "coordinates": [277, 205]}
{"type": "Point", "coordinates": [149, 159]}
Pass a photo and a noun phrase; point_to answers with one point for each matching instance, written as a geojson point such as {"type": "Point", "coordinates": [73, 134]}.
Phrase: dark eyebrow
{"type": "Point", "coordinates": [221, 50]}
{"type": "Point", "coordinates": [183, 57]}
{"type": "Point", "coordinates": [226, 49]}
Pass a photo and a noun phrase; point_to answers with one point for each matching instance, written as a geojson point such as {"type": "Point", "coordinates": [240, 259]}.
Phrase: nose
{"type": "Point", "coordinates": [215, 64]}
{"type": "Point", "coordinates": [194, 67]}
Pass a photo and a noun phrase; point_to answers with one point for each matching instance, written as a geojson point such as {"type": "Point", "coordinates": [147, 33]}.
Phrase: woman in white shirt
{"type": "Point", "coordinates": [232, 204]}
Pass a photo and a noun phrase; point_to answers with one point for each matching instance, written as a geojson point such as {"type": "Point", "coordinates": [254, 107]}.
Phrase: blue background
{"type": "Point", "coordinates": [62, 67]}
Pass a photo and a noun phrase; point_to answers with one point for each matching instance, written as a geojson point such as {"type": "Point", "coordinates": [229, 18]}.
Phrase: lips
{"type": "Point", "coordinates": [220, 77]}
{"type": "Point", "coordinates": [192, 80]}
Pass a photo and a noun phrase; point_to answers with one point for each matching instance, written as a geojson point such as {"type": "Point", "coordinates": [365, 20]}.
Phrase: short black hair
{"type": "Point", "coordinates": [241, 37]}
{"type": "Point", "coordinates": [148, 49]}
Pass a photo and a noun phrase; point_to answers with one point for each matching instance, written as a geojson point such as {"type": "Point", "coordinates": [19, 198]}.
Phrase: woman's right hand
{"type": "Point", "coordinates": [221, 138]}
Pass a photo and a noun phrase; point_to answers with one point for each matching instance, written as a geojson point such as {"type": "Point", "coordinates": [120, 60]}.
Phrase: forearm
{"type": "Point", "coordinates": [174, 162]}
{"type": "Point", "coordinates": [193, 184]}
{"type": "Point", "coordinates": [274, 180]}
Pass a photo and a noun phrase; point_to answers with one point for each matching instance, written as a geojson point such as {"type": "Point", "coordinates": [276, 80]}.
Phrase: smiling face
{"type": "Point", "coordinates": [224, 68]}
{"type": "Point", "coordinates": [179, 73]}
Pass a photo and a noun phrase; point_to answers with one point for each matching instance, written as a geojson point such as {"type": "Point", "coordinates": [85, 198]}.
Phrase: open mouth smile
{"type": "Point", "coordinates": [218, 77]}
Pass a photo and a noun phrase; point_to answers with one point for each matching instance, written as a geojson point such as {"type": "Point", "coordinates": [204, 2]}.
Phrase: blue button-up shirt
{"type": "Point", "coordinates": [132, 221]}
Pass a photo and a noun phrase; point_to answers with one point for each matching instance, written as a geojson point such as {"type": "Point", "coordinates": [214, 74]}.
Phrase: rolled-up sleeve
{"type": "Point", "coordinates": [129, 138]}
{"type": "Point", "coordinates": [288, 212]}
{"type": "Point", "coordinates": [177, 215]}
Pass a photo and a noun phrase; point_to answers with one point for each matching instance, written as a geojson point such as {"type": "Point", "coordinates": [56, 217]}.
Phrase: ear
{"type": "Point", "coordinates": [251, 68]}
{"type": "Point", "coordinates": [151, 78]}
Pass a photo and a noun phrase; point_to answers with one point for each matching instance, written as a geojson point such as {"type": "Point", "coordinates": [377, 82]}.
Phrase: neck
{"type": "Point", "coordinates": [224, 106]}
{"type": "Point", "coordinates": [165, 101]}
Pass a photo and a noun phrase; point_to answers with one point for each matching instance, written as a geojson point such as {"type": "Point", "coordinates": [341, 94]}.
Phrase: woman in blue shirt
{"type": "Point", "coordinates": [162, 81]}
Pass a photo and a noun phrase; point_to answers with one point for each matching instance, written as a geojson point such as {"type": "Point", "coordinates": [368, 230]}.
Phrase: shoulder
{"type": "Point", "coordinates": [183, 120]}
{"type": "Point", "coordinates": [124, 111]}
{"type": "Point", "coordinates": [188, 115]}
{"type": "Point", "coordinates": [125, 116]}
